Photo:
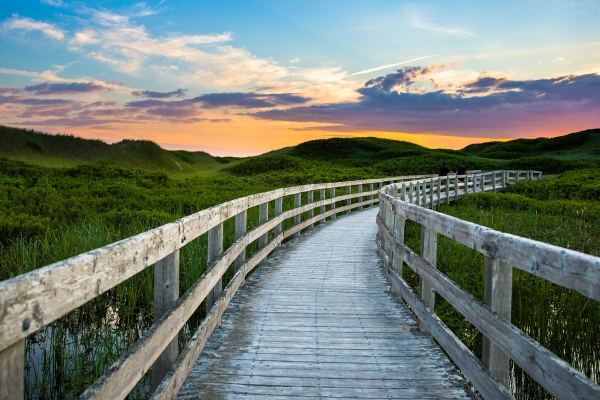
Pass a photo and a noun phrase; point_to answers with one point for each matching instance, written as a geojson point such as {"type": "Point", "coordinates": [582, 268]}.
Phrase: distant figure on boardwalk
{"type": "Point", "coordinates": [462, 170]}
{"type": "Point", "coordinates": [444, 170]}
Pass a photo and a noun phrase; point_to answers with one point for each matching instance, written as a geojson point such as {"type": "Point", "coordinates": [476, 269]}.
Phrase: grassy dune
{"type": "Point", "coordinates": [70, 151]}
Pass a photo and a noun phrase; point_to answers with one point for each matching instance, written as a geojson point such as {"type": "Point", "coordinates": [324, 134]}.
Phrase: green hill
{"type": "Point", "coordinates": [585, 144]}
{"type": "Point", "coordinates": [69, 151]}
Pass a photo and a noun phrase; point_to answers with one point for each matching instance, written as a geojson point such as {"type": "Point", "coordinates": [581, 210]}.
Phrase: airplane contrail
{"type": "Point", "coordinates": [366, 71]}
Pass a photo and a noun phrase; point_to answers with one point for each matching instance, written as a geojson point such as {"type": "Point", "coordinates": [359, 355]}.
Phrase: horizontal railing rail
{"type": "Point", "coordinates": [34, 300]}
{"type": "Point", "coordinates": [502, 340]}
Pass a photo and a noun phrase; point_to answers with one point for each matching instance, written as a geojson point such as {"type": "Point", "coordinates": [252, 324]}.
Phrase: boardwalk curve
{"type": "Point", "coordinates": [318, 320]}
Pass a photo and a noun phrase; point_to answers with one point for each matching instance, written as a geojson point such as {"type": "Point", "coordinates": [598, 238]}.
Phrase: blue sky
{"type": "Point", "coordinates": [119, 56]}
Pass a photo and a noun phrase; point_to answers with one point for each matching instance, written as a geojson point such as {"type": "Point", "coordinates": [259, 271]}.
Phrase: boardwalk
{"type": "Point", "coordinates": [318, 320]}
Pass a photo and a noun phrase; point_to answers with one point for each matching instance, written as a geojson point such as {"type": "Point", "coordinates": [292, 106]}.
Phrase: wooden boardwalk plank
{"type": "Point", "coordinates": [318, 320]}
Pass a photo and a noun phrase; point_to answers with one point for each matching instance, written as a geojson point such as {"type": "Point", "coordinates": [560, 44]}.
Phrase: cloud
{"type": "Point", "coordinates": [416, 19]}
{"type": "Point", "coordinates": [28, 24]}
{"type": "Point", "coordinates": [366, 71]}
{"type": "Point", "coordinates": [48, 88]}
{"type": "Point", "coordinates": [249, 100]}
{"type": "Point", "coordinates": [159, 95]}
{"type": "Point", "coordinates": [10, 90]}
{"type": "Point", "coordinates": [402, 77]}
{"type": "Point", "coordinates": [217, 100]}
{"type": "Point", "coordinates": [506, 106]}
{"type": "Point", "coordinates": [54, 3]}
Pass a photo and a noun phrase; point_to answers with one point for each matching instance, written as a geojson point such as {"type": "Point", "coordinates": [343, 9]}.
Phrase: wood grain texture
{"type": "Point", "coordinates": [487, 385]}
{"type": "Point", "coordinates": [166, 293]}
{"type": "Point", "coordinates": [429, 254]}
{"type": "Point", "coordinates": [551, 372]}
{"type": "Point", "coordinates": [564, 267]}
{"type": "Point", "coordinates": [12, 368]}
{"type": "Point", "coordinates": [263, 217]}
{"type": "Point", "coordinates": [498, 296]}
{"type": "Point", "coordinates": [241, 220]}
{"type": "Point", "coordinates": [215, 249]}
{"type": "Point", "coordinates": [343, 335]}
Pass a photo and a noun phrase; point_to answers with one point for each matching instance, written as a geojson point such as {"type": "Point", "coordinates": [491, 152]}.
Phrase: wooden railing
{"type": "Point", "coordinates": [502, 340]}
{"type": "Point", "coordinates": [33, 300]}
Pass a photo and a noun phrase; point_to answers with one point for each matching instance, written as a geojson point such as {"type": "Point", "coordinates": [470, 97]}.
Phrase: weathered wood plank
{"type": "Point", "coordinates": [470, 366]}
{"type": "Point", "coordinates": [215, 249]}
{"type": "Point", "coordinates": [551, 372]}
{"type": "Point", "coordinates": [12, 371]}
{"type": "Point", "coordinates": [429, 254]}
{"type": "Point", "coordinates": [263, 217]}
{"type": "Point", "coordinates": [567, 268]}
{"type": "Point", "coordinates": [262, 341]}
{"type": "Point", "coordinates": [498, 296]}
{"type": "Point", "coordinates": [170, 386]}
{"type": "Point", "coordinates": [241, 221]}
{"type": "Point", "coordinates": [311, 211]}
{"type": "Point", "coordinates": [166, 293]}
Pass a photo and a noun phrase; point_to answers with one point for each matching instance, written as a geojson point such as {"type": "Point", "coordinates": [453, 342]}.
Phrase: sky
{"type": "Point", "coordinates": [245, 77]}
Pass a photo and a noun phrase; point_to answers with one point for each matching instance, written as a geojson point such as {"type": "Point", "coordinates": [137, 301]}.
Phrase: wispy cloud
{"type": "Point", "coordinates": [366, 71]}
{"type": "Point", "coordinates": [28, 24]}
{"type": "Point", "coordinates": [417, 19]}
{"type": "Point", "coordinates": [54, 3]}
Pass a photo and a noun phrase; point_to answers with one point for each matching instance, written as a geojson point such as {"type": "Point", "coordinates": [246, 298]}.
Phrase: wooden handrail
{"type": "Point", "coordinates": [35, 299]}
{"type": "Point", "coordinates": [567, 268]}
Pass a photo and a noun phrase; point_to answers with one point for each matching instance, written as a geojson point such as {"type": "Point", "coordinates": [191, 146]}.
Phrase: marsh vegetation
{"type": "Point", "coordinates": [51, 213]}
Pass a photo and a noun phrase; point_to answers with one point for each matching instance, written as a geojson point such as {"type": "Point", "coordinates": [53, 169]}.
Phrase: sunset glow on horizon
{"type": "Point", "coordinates": [242, 79]}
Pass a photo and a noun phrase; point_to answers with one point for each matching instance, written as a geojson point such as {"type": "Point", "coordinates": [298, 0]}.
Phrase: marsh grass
{"type": "Point", "coordinates": [564, 321]}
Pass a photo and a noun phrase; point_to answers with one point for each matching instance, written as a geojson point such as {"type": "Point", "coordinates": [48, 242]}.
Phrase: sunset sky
{"type": "Point", "coordinates": [246, 77]}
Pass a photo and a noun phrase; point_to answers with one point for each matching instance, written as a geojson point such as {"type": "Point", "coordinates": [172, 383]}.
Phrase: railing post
{"type": "Point", "coordinates": [322, 197]}
{"type": "Point", "coordinates": [311, 212]}
{"type": "Point", "coordinates": [494, 181]}
{"type": "Point", "coordinates": [12, 371]}
{"type": "Point", "coordinates": [263, 217]}
{"type": "Point", "coordinates": [398, 232]}
{"type": "Point", "coordinates": [215, 248]}
{"type": "Point", "coordinates": [240, 230]}
{"type": "Point", "coordinates": [360, 199]}
{"type": "Point", "coordinates": [278, 210]}
{"type": "Point", "coordinates": [410, 192]}
{"type": "Point", "coordinates": [332, 195]}
{"type": "Point", "coordinates": [297, 217]}
{"type": "Point", "coordinates": [518, 173]}
{"type": "Point", "coordinates": [389, 223]}
{"type": "Point", "coordinates": [349, 201]}
{"type": "Point", "coordinates": [403, 192]}
{"type": "Point", "coordinates": [503, 180]}
{"type": "Point", "coordinates": [429, 253]}
{"type": "Point", "coordinates": [431, 185]}
{"type": "Point", "coordinates": [166, 293]}
{"type": "Point", "coordinates": [497, 295]}
{"type": "Point", "coordinates": [439, 191]}
{"type": "Point", "coordinates": [455, 189]}
{"type": "Point", "coordinates": [372, 196]}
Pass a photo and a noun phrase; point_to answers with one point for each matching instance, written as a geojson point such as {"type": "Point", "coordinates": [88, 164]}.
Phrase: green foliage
{"type": "Point", "coordinates": [428, 164]}
{"type": "Point", "coordinates": [348, 148]}
{"type": "Point", "coordinates": [585, 143]}
{"type": "Point", "coordinates": [260, 165]}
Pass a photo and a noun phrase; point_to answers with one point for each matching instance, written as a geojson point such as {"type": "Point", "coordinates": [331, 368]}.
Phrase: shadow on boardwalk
{"type": "Point", "coordinates": [318, 320]}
